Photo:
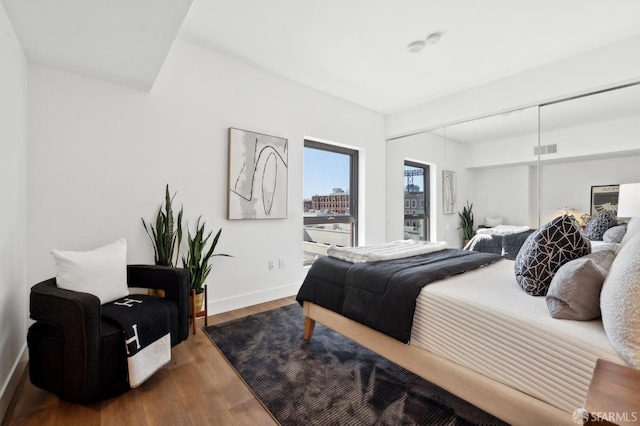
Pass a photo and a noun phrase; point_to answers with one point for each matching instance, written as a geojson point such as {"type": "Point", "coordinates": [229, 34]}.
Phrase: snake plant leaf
{"type": "Point", "coordinates": [198, 258]}
{"type": "Point", "coordinates": [166, 237]}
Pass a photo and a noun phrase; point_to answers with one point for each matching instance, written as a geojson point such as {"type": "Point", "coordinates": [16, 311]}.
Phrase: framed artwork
{"type": "Point", "coordinates": [449, 191]}
{"type": "Point", "coordinates": [258, 176]}
{"type": "Point", "coordinates": [604, 197]}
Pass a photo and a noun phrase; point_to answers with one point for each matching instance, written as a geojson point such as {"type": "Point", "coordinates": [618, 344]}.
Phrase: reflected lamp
{"type": "Point", "coordinates": [629, 200]}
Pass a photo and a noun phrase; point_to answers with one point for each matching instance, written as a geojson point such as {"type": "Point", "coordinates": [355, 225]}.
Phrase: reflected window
{"type": "Point", "coordinates": [416, 193]}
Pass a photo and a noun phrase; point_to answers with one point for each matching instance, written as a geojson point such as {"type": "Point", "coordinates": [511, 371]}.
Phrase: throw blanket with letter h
{"type": "Point", "coordinates": [145, 323]}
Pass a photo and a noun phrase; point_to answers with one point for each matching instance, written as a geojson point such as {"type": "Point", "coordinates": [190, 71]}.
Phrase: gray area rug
{"type": "Point", "coordinates": [331, 380]}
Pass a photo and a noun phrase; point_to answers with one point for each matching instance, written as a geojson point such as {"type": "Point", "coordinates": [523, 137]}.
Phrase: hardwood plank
{"type": "Point", "coordinates": [252, 413]}
{"type": "Point", "coordinates": [123, 409]}
{"type": "Point", "coordinates": [198, 387]}
{"type": "Point", "coordinates": [161, 402]}
{"type": "Point", "coordinates": [197, 393]}
{"type": "Point", "coordinates": [70, 414]}
{"type": "Point", "coordinates": [42, 417]}
{"type": "Point", "coordinates": [31, 398]}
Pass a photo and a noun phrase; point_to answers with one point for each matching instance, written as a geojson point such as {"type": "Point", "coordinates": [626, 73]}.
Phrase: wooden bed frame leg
{"type": "Point", "coordinates": [308, 327]}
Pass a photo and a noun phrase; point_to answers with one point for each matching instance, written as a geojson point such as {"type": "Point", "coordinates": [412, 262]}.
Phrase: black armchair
{"type": "Point", "coordinates": [79, 357]}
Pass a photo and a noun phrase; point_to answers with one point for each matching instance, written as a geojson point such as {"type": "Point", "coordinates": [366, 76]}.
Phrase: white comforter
{"type": "Point", "coordinates": [503, 230]}
{"type": "Point", "coordinates": [385, 251]}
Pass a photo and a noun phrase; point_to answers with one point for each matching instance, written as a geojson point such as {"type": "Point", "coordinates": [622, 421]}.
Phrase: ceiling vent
{"type": "Point", "coordinates": [545, 149]}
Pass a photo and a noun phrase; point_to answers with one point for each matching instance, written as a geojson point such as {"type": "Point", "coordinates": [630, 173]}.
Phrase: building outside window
{"type": "Point", "coordinates": [416, 193]}
{"type": "Point", "coordinates": [330, 197]}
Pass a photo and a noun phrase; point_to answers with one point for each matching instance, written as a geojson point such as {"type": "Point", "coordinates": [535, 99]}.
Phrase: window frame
{"type": "Point", "coordinates": [352, 217]}
{"type": "Point", "coordinates": [414, 217]}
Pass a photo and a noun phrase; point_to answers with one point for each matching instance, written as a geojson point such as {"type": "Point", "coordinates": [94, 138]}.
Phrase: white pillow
{"type": "Point", "coordinates": [101, 272]}
{"type": "Point", "coordinates": [491, 222]}
{"type": "Point", "coordinates": [633, 228]}
{"type": "Point", "coordinates": [620, 302]}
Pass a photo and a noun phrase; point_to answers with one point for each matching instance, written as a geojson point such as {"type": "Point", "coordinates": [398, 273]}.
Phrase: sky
{"type": "Point", "coordinates": [323, 171]}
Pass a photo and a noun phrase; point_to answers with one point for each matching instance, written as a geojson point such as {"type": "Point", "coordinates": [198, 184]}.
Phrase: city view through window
{"type": "Point", "coordinates": [329, 218]}
{"type": "Point", "coordinates": [416, 201]}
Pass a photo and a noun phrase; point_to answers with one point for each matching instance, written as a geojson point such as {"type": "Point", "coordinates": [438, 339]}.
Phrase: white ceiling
{"type": "Point", "coordinates": [352, 49]}
{"type": "Point", "coordinates": [122, 41]}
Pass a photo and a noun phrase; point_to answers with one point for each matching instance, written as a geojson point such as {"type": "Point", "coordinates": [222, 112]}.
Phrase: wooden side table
{"type": "Point", "coordinates": [204, 313]}
{"type": "Point", "coordinates": [614, 395]}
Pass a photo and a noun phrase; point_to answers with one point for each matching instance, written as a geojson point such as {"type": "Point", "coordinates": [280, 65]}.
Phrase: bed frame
{"type": "Point", "coordinates": [508, 404]}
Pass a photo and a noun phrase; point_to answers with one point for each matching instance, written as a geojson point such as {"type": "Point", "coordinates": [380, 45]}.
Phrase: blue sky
{"type": "Point", "coordinates": [323, 171]}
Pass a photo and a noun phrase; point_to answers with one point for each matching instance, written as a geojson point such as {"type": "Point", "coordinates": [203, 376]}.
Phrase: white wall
{"type": "Point", "coordinates": [431, 149]}
{"type": "Point", "coordinates": [503, 192]}
{"type": "Point", "coordinates": [569, 184]}
{"type": "Point", "coordinates": [100, 155]}
{"type": "Point", "coordinates": [13, 187]}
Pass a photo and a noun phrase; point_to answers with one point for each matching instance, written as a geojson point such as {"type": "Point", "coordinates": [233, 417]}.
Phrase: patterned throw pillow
{"type": "Point", "coordinates": [546, 250]}
{"type": "Point", "coordinates": [597, 226]}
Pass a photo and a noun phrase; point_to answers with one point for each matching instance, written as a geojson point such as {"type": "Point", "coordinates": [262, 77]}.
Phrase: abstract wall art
{"type": "Point", "coordinates": [258, 171]}
{"type": "Point", "coordinates": [604, 197]}
{"type": "Point", "coordinates": [449, 191]}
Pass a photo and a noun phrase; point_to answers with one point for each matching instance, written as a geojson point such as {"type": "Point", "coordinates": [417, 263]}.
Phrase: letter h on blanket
{"type": "Point", "coordinates": [145, 323]}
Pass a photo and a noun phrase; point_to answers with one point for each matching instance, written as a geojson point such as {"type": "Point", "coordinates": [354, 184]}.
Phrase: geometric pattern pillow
{"type": "Point", "coordinates": [546, 250]}
{"type": "Point", "coordinates": [597, 226]}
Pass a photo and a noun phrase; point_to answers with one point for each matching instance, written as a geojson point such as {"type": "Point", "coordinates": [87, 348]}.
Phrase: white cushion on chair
{"type": "Point", "coordinates": [101, 272]}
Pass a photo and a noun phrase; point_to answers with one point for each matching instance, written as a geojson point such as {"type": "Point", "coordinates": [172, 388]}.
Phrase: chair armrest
{"type": "Point", "coordinates": [174, 282]}
{"type": "Point", "coordinates": [78, 315]}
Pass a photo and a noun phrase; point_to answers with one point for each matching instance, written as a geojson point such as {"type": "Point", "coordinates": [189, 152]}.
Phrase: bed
{"type": "Point", "coordinates": [478, 335]}
{"type": "Point", "coordinates": [504, 240]}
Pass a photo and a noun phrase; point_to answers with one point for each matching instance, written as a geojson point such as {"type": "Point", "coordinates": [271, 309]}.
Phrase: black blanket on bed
{"type": "Point", "coordinates": [382, 295]}
{"type": "Point", "coordinates": [506, 246]}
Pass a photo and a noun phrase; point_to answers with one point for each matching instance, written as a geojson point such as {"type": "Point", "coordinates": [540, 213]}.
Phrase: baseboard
{"type": "Point", "coordinates": [249, 299]}
{"type": "Point", "coordinates": [12, 382]}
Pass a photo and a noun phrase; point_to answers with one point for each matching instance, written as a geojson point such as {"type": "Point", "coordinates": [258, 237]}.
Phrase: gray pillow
{"type": "Point", "coordinates": [574, 292]}
{"type": "Point", "coordinates": [546, 250]}
{"type": "Point", "coordinates": [620, 302]}
{"type": "Point", "coordinates": [614, 234]}
{"type": "Point", "coordinates": [599, 224]}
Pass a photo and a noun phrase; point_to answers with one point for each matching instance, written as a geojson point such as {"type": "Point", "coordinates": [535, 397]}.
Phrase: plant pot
{"type": "Point", "coordinates": [199, 302]}
{"type": "Point", "coordinates": [155, 292]}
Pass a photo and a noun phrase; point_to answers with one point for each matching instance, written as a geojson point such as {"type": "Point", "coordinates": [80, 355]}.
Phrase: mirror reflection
{"type": "Point", "coordinates": [520, 168]}
{"type": "Point", "coordinates": [589, 145]}
{"type": "Point", "coordinates": [500, 155]}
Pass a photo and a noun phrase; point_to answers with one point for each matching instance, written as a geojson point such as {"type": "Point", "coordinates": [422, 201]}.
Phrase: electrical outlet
{"type": "Point", "coordinates": [272, 265]}
{"type": "Point", "coordinates": [281, 264]}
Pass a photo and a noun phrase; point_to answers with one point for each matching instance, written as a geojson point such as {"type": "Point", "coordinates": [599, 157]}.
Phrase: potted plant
{"type": "Point", "coordinates": [167, 234]}
{"type": "Point", "coordinates": [198, 257]}
{"type": "Point", "coordinates": [466, 222]}
{"type": "Point", "coordinates": [165, 237]}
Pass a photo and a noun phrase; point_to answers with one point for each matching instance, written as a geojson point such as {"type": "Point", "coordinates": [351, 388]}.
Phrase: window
{"type": "Point", "coordinates": [330, 198]}
{"type": "Point", "coordinates": [416, 193]}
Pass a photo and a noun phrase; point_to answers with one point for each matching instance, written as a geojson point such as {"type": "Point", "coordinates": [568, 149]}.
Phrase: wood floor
{"type": "Point", "coordinates": [199, 387]}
